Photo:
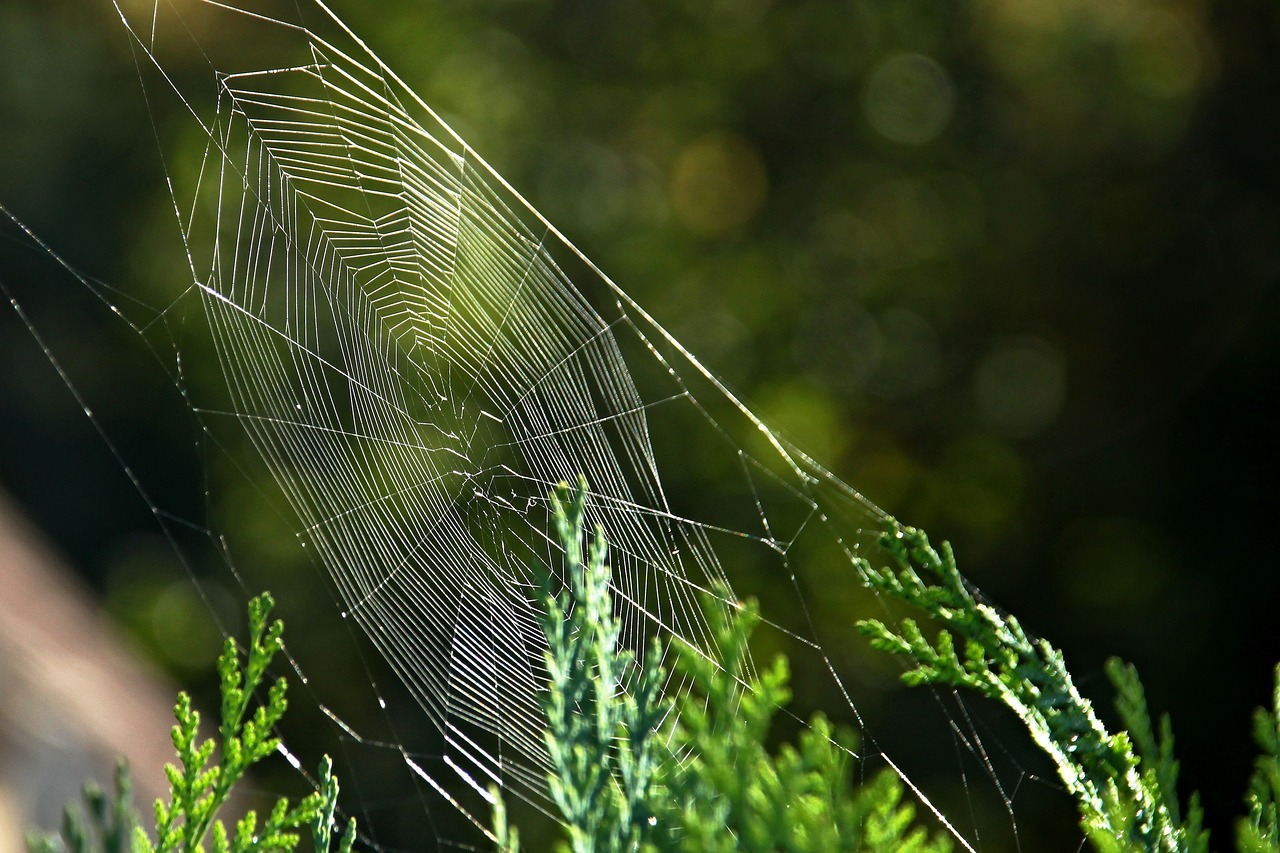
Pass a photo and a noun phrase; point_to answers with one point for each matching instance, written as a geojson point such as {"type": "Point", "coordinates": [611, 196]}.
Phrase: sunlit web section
{"type": "Point", "coordinates": [418, 357]}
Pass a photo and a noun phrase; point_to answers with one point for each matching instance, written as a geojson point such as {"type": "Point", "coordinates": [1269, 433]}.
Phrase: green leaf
{"type": "Point", "coordinates": [198, 789]}
{"type": "Point", "coordinates": [1119, 809]}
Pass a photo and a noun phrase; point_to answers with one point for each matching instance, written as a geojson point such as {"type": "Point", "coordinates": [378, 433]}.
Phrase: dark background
{"type": "Point", "coordinates": [1007, 267]}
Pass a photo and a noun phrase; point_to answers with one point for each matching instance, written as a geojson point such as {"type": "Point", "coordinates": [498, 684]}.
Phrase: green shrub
{"type": "Point", "coordinates": [1124, 784]}
{"type": "Point", "coordinates": [200, 785]}
{"type": "Point", "coordinates": [720, 789]}
{"type": "Point", "coordinates": [703, 780]}
{"type": "Point", "coordinates": [639, 771]}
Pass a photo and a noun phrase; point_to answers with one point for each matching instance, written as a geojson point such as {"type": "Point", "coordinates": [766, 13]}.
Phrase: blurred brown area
{"type": "Point", "coordinates": [76, 698]}
{"type": "Point", "coordinates": [1008, 267]}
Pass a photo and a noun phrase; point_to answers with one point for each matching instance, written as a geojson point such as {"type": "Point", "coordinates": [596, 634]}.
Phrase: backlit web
{"type": "Point", "coordinates": [418, 357]}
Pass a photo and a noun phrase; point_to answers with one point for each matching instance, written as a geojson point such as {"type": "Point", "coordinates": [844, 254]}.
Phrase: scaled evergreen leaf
{"type": "Point", "coordinates": [101, 823]}
{"type": "Point", "coordinates": [1259, 830]}
{"type": "Point", "coordinates": [705, 781]}
{"type": "Point", "coordinates": [200, 785]}
{"type": "Point", "coordinates": [1127, 798]}
{"type": "Point", "coordinates": [600, 738]}
{"type": "Point", "coordinates": [730, 793]}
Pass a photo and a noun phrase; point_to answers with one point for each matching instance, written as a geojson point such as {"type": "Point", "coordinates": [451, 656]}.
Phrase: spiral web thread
{"type": "Point", "coordinates": [419, 357]}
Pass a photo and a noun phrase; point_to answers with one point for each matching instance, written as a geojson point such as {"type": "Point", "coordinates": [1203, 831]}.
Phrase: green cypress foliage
{"type": "Point", "coordinates": [601, 739]}
{"type": "Point", "coordinates": [201, 785]}
{"type": "Point", "coordinates": [1259, 831]}
{"type": "Point", "coordinates": [725, 791]}
{"type": "Point", "coordinates": [635, 771]}
{"type": "Point", "coordinates": [705, 780]}
{"type": "Point", "coordinates": [1124, 784]}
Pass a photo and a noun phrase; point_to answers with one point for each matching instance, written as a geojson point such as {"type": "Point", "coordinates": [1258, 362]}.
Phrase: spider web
{"type": "Point", "coordinates": [418, 357]}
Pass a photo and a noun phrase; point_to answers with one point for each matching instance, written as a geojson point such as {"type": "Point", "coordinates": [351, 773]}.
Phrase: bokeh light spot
{"type": "Point", "coordinates": [183, 631]}
{"type": "Point", "coordinates": [909, 98]}
{"type": "Point", "coordinates": [162, 611]}
{"type": "Point", "coordinates": [911, 358]}
{"type": "Point", "coordinates": [841, 345]}
{"type": "Point", "coordinates": [1162, 55]}
{"type": "Point", "coordinates": [718, 184]}
{"type": "Point", "coordinates": [1019, 386]}
{"type": "Point", "coordinates": [979, 485]}
{"type": "Point", "coordinates": [804, 414]}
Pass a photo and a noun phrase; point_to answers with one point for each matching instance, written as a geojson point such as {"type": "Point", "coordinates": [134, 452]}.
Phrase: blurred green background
{"type": "Point", "coordinates": [1008, 267]}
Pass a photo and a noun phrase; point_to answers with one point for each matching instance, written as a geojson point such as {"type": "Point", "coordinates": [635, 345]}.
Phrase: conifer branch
{"type": "Point", "coordinates": [207, 771]}
{"type": "Point", "coordinates": [1127, 797]}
